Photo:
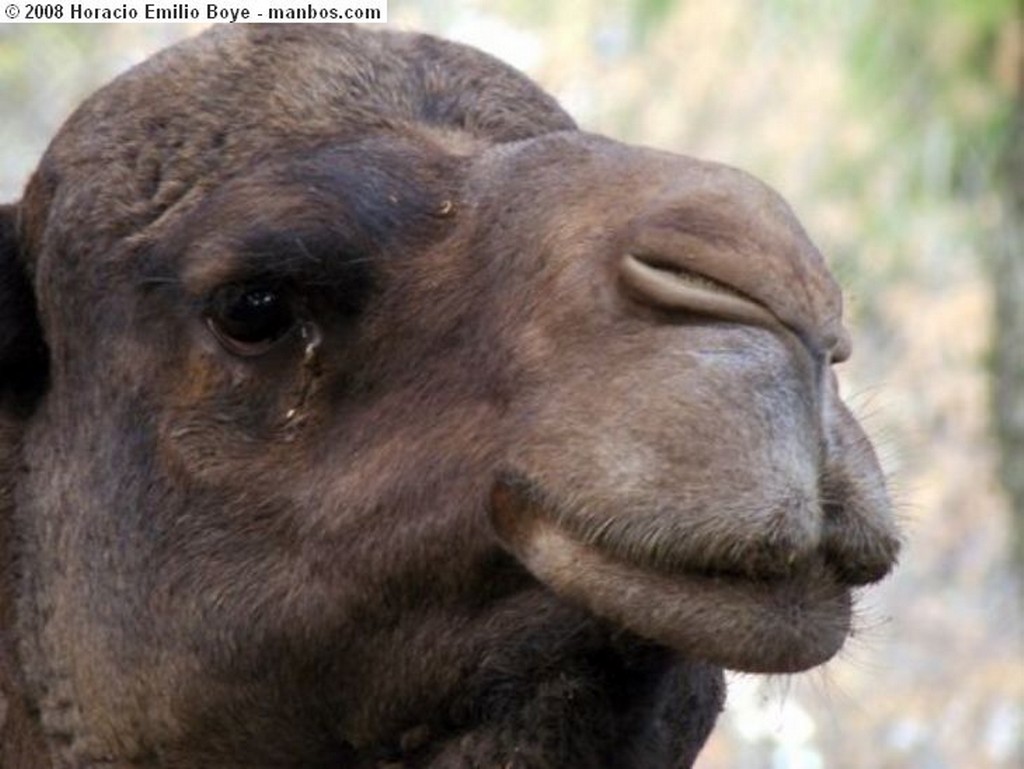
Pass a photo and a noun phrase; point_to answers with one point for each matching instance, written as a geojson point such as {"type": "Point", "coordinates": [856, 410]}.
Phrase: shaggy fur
{"type": "Point", "coordinates": [538, 433]}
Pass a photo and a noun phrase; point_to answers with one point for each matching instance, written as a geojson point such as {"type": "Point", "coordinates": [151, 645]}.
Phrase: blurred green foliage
{"type": "Point", "coordinates": [956, 83]}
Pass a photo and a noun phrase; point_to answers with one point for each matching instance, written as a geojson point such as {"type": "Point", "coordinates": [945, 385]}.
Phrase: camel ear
{"type": "Point", "coordinates": [23, 355]}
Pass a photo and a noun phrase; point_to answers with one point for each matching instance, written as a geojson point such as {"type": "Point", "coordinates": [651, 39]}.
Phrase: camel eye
{"type": "Point", "coordinates": [248, 319]}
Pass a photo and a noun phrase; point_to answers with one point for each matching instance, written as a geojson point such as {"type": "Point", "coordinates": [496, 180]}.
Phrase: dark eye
{"type": "Point", "coordinates": [248, 318]}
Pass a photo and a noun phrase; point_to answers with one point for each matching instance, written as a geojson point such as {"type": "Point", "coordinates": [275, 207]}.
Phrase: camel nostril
{"type": "Point", "coordinates": [671, 285]}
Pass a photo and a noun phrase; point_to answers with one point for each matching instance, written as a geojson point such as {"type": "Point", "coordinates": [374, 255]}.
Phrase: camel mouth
{"type": "Point", "coordinates": [782, 622]}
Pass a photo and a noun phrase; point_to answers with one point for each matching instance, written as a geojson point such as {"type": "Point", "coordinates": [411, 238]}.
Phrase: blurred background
{"type": "Point", "coordinates": [896, 130]}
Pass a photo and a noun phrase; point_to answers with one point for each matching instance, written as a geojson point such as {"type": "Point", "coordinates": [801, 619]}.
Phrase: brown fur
{"type": "Point", "coordinates": [494, 500]}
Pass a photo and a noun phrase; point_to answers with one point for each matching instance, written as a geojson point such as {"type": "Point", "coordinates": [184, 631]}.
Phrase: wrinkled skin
{"type": "Point", "coordinates": [543, 434]}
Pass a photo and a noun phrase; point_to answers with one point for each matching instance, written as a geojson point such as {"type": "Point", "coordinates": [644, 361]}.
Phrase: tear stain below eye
{"type": "Point", "coordinates": [672, 287]}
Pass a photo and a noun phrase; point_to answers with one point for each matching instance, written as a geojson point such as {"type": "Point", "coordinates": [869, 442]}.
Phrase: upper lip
{"type": "Point", "coordinates": [764, 562]}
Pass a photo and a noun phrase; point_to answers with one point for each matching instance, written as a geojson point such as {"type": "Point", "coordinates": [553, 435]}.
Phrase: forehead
{"type": "Point", "coordinates": [151, 146]}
